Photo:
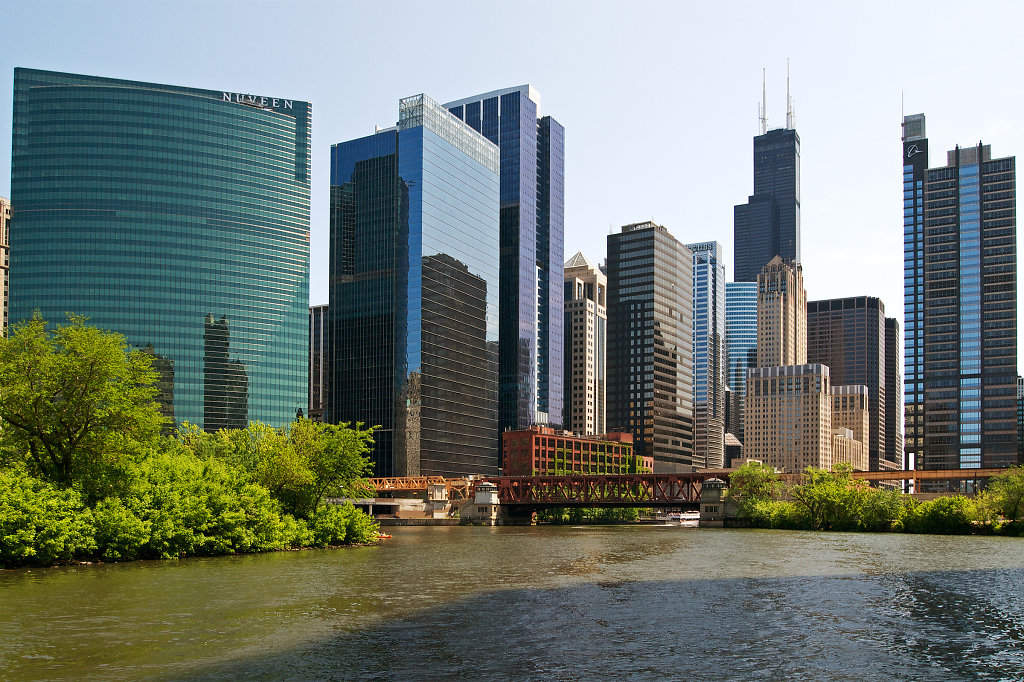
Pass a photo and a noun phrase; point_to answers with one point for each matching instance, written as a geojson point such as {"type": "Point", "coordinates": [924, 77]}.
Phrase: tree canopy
{"type": "Point", "coordinates": [75, 402]}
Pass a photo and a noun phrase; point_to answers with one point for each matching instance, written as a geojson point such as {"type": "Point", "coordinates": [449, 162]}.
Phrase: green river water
{"type": "Point", "coordinates": [543, 603]}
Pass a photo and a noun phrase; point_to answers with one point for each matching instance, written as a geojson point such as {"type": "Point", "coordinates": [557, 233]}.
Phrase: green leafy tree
{"type": "Point", "coordinates": [336, 455]}
{"type": "Point", "coordinates": [76, 403]}
{"type": "Point", "coordinates": [830, 500]}
{"type": "Point", "coordinates": [752, 486]}
{"type": "Point", "coordinates": [753, 481]}
{"type": "Point", "coordinates": [1006, 493]}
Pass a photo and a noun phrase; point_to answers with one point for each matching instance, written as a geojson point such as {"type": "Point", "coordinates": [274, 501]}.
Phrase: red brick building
{"type": "Point", "coordinates": [544, 450]}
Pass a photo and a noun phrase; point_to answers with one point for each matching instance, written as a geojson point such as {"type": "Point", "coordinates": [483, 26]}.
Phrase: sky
{"type": "Point", "coordinates": [659, 99]}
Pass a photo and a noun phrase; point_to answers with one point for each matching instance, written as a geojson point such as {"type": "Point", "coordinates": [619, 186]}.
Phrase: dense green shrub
{"type": "Point", "coordinates": [341, 524]}
{"type": "Point", "coordinates": [120, 533]}
{"type": "Point", "coordinates": [40, 524]}
{"type": "Point", "coordinates": [944, 515]}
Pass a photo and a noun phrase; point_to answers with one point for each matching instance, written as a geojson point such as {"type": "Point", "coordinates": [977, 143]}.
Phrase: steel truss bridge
{"type": "Point", "coordinates": [627, 490]}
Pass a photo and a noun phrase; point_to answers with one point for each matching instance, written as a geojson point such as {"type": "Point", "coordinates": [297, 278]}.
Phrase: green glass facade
{"type": "Point", "coordinates": [178, 217]}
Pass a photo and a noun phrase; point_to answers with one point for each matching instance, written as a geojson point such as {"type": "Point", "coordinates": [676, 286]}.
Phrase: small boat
{"type": "Point", "coordinates": [688, 519]}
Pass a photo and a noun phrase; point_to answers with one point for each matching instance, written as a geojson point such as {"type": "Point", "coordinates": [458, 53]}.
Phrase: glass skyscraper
{"type": "Point", "coordinates": [960, 305]}
{"type": "Point", "coordinates": [650, 345]}
{"type": "Point", "coordinates": [317, 362]}
{"type": "Point", "coordinates": [413, 311]}
{"type": "Point", "coordinates": [532, 154]}
{"type": "Point", "coordinates": [178, 217]}
{"type": "Point", "coordinates": [741, 344]}
{"type": "Point", "coordinates": [709, 363]}
{"type": "Point", "coordinates": [768, 225]}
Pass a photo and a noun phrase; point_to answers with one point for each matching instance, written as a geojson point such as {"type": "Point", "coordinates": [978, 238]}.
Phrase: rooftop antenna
{"type": "Point", "coordinates": [764, 98]}
{"type": "Point", "coordinates": [789, 101]}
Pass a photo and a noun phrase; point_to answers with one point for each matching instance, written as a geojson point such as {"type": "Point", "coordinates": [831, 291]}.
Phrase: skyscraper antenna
{"type": "Point", "coordinates": [764, 101]}
{"type": "Point", "coordinates": [789, 101]}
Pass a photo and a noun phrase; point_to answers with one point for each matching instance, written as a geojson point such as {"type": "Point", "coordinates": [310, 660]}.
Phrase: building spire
{"type": "Point", "coordinates": [764, 99]}
{"type": "Point", "coordinates": [789, 101]}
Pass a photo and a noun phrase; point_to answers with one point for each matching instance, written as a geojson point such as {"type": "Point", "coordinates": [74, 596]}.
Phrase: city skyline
{"type": "Point", "coordinates": [847, 104]}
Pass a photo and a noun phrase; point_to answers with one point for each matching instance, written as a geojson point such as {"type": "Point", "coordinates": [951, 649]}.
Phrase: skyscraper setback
{"type": "Point", "coordinates": [650, 344]}
{"type": "Point", "coordinates": [586, 344]}
{"type": "Point", "coordinates": [768, 225]}
{"type": "Point", "coordinates": [412, 317]}
{"type": "Point", "coordinates": [709, 364]}
{"type": "Point", "coordinates": [532, 157]}
{"type": "Point", "coordinates": [960, 305]}
{"type": "Point", "coordinates": [849, 335]}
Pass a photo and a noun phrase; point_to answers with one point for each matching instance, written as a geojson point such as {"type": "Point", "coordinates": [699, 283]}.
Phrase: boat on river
{"type": "Point", "coordinates": [687, 519]}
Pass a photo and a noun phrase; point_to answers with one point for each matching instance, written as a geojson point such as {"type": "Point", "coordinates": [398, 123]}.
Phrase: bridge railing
{"type": "Point", "coordinates": [596, 490]}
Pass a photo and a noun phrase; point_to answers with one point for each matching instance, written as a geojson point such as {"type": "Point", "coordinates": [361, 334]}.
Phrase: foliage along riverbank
{"type": "Point", "coordinates": [834, 500]}
{"type": "Point", "coordinates": [87, 474]}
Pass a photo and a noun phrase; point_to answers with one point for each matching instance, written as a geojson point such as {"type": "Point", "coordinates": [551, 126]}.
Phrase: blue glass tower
{"type": "Point", "coordinates": [709, 364]}
{"type": "Point", "coordinates": [178, 217]}
{"type": "Point", "coordinates": [413, 312]}
{"type": "Point", "coordinates": [530, 365]}
{"type": "Point", "coordinates": [915, 166]}
{"type": "Point", "coordinates": [960, 271]}
{"type": "Point", "coordinates": [741, 341]}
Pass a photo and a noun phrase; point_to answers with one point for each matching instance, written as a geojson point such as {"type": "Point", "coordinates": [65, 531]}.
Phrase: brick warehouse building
{"type": "Point", "coordinates": [542, 450]}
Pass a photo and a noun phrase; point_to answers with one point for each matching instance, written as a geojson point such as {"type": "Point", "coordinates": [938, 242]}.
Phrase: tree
{"type": "Point", "coordinates": [336, 454]}
{"type": "Point", "coordinates": [1006, 492]}
{"type": "Point", "coordinates": [75, 403]}
{"type": "Point", "coordinates": [753, 482]}
{"type": "Point", "coordinates": [830, 500]}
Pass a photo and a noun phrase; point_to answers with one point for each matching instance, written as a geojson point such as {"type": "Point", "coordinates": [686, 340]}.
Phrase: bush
{"type": "Point", "coordinates": [198, 507]}
{"type": "Point", "coordinates": [39, 524]}
{"type": "Point", "coordinates": [943, 515]}
{"type": "Point", "coordinates": [334, 525]}
{"type": "Point", "coordinates": [120, 534]}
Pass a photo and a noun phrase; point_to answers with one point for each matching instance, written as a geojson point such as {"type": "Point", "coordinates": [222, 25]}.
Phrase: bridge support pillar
{"type": "Point", "coordinates": [512, 515]}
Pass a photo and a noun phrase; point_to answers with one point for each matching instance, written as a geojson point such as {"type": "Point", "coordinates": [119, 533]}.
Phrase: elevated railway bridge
{"type": "Point", "coordinates": [626, 490]}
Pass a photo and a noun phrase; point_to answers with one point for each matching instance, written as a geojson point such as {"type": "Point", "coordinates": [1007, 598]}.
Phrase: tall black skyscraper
{"type": "Point", "coordinates": [768, 225]}
{"type": "Point", "coordinates": [650, 344]}
{"type": "Point", "coordinates": [848, 335]}
{"type": "Point", "coordinates": [960, 305]}
{"type": "Point", "coordinates": [893, 393]}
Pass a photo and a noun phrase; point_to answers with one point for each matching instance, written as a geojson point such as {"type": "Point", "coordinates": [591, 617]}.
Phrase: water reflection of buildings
{"type": "Point", "coordinates": [412, 317]}
{"type": "Point", "coordinates": [225, 382]}
{"type": "Point", "coordinates": [183, 203]}
{"type": "Point", "coordinates": [164, 368]}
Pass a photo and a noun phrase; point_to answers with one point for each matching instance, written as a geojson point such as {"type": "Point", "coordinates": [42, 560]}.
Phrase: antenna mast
{"type": "Point", "coordinates": [789, 101]}
{"type": "Point", "coordinates": [764, 98]}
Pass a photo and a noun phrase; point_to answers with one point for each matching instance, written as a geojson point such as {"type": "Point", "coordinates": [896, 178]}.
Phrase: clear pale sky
{"type": "Point", "coordinates": [659, 99]}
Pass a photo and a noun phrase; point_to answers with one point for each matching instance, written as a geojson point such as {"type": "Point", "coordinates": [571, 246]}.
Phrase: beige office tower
{"type": "Point", "coordinates": [850, 414]}
{"type": "Point", "coordinates": [5, 254]}
{"type": "Point", "coordinates": [781, 315]}
{"type": "Point", "coordinates": [846, 450]}
{"type": "Point", "coordinates": [585, 338]}
{"type": "Point", "coordinates": [788, 417]}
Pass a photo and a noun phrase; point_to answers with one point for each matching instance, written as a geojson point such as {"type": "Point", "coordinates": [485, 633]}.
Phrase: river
{"type": "Point", "coordinates": [544, 603]}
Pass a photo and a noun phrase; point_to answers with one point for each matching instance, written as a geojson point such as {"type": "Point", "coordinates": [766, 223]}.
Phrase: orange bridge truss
{"type": "Point", "coordinates": [627, 490]}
